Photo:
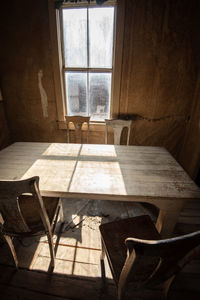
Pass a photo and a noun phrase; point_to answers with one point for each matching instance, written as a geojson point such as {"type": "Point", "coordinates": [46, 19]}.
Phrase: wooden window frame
{"type": "Point", "coordinates": [57, 62]}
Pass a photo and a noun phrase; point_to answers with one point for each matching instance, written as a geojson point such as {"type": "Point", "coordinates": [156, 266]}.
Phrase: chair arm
{"type": "Point", "coordinates": [163, 247]}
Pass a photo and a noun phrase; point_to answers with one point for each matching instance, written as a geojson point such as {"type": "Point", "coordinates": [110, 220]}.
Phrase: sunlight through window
{"type": "Point", "coordinates": [88, 60]}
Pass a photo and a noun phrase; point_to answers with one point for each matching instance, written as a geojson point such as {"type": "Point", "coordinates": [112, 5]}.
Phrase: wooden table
{"type": "Point", "coordinates": [106, 172]}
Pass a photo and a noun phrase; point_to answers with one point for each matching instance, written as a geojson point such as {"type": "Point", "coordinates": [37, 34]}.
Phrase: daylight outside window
{"type": "Point", "coordinates": [88, 60]}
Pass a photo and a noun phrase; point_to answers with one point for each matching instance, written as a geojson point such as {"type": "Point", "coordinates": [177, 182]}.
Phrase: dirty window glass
{"type": "Point", "coordinates": [88, 55]}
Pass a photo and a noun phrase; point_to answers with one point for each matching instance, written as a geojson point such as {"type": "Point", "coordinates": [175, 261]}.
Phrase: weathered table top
{"type": "Point", "coordinates": [98, 171]}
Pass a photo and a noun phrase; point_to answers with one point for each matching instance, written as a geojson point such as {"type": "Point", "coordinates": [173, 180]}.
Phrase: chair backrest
{"type": "Point", "coordinates": [78, 122]}
{"type": "Point", "coordinates": [118, 125]}
{"type": "Point", "coordinates": [168, 255]}
{"type": "Point", "coordinates": [10, 191]}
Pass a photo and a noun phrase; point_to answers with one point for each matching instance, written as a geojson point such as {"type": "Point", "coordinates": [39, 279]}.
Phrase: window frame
{"type": "Point", "coordinates": [55, 20]}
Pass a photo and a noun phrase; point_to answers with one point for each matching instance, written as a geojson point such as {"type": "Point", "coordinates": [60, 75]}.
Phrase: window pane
{"type": "Point", "coordinates": [75, 37]}
{"type": "Point", "coordinates": [76, 83]}
{"type": "Point", "coordinates": [100, 87]}
{"type": "Point", "coordinates": [101, 37]}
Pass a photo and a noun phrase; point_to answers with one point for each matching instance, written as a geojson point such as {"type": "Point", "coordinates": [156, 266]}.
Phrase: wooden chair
{"type": "Point", "coordinates": [78, 122]}
{"type": "Point", "coordinates": [118, 125]}
{"type": "Point", "coordinates": [25, 213]}
{"type": "Point", "coordinates": [139, 258]}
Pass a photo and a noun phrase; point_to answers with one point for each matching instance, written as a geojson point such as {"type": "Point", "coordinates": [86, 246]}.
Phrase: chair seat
{"type": "Point", "coordinates": [113, 238]}
{"type": "Point", "coordinates": [30, 214]}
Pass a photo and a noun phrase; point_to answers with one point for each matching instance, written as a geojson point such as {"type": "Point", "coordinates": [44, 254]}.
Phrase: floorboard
{"type": "Point", "coordinates": [77, 269]}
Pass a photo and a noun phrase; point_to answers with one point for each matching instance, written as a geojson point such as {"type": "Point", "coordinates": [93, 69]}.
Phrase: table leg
{"type": "Point", "coordinates": [167, 219]}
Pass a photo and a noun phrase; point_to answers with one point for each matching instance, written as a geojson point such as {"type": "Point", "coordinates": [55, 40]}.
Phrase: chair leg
{"type": "Point", "coordinates": [167, 286]}
{"type": "Point", "coordinates": [52, 251]}
{"type": "Point", "coordinates": [103, 273]}
{"type": "Point", "coordinates": [12, 249]}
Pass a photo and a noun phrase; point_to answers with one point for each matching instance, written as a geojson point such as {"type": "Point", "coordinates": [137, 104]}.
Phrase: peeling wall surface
{"type": "Point", "coordinates": [43, 95]}
{"type": "Point", "coordinates": [26, 51]}
{"type": "Point", "coordinates": [160, 65]}
{"type": "Point", "coordinates": [158, 76]}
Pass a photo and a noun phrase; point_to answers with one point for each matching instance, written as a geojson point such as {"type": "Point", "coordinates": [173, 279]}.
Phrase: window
{"type": "Point", "coordinates": [88, 36]}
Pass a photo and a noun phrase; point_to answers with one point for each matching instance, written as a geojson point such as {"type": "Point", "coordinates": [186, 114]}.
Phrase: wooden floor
{"type": "Point", "coordinates": [77, 270]}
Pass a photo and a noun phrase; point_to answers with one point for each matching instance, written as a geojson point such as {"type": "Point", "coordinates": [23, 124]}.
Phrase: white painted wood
{"type": "Point", "coordinates": [118, 125]}
{"type": "Point", "coordinates": [105, 172]}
